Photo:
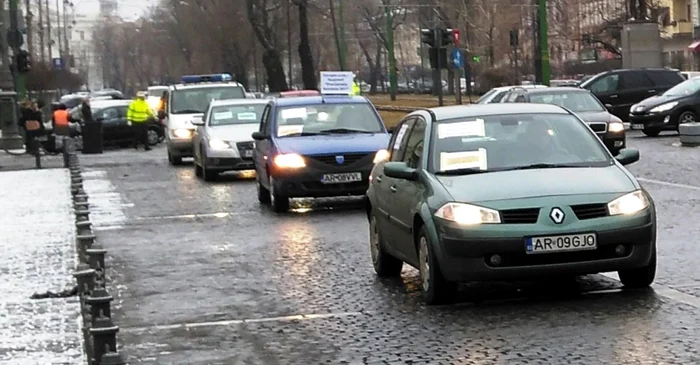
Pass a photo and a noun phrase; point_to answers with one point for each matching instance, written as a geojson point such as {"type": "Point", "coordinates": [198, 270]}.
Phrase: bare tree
{"type": "Point", "coordinates": [261, 15]}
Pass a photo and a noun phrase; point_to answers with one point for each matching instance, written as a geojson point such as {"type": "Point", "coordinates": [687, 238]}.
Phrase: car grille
{"type": "Point", "coordinates": [599, 127]}
{"type": "Point", "coordinates": [520, 216]}
{"type": "Point", "coordinates": [245, 146]}
{"type": "Point", "coordinates": [348, 158]}
{"type": "Point", "coordinates": [590, 211]}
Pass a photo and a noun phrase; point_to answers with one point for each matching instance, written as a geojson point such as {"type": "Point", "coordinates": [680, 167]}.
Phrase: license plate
{"type": "Point", "coordinates": [565, 243]}
{"type": "Point", "coordinates": [637, 126]}
{"type": "Point", "coordinates": [341, 178]}
{"type": "Point", "coordinates": [248, 153]}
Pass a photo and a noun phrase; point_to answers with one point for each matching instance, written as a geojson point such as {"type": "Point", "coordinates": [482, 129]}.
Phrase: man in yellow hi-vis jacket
{"type": "Point", "coordinates": [138, 115]}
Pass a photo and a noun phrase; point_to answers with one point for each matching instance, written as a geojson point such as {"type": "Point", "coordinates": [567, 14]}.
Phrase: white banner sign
{"type": "Point", "coordinates": [337, 82]}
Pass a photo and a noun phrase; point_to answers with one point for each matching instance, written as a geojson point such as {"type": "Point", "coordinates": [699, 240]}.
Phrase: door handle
{"type": "Point", "coordinates": [652, 91]}
{"type": "Point", "coordinates": [613, 96]}
{"type": "Point", "coordinates": [393, 189]}
{"type": "Point", "coordinates": [379, 179]}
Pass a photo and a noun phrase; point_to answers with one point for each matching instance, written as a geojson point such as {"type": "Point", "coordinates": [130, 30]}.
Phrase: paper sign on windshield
{"type": "Point", "coordinates": [293, 113]}
{"type": "Point", "coordinates": [286, 130]}
{"type": "Point", "coordinates": [463, 160]}
{"type": "Point", "coordinates": [223, 115]}
{"type": "Point", "coordinates": [400, 135]}
{"type": "Point", "coordinates": [462, 129]}
{"type": "Point", "coordinates": [247, 116]}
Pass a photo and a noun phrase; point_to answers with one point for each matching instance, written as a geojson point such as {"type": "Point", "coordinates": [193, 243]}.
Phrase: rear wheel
{"type": "Point", "coordinates": [436, 290]}
{"type": "Point", "coordinates": [641, 277]}
{"type": "Point", "coordinates": [153, 136]}
{"type": "Point", "coordinates": [280, 203]}
{"type": "Point", "coordinates": [384, 264]}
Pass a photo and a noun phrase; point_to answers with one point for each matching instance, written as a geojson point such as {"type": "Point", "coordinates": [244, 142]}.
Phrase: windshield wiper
{"type": "Point", "coordinates": [542, 166]}
{"type": "Point", "coordinates": [187, 111]}
{"type": "Point", "coordinates": [344, 131]}
{"type": "Point", "coordinates": [465, 171]}
{"type": "Point", "coordinates": [302, 134]}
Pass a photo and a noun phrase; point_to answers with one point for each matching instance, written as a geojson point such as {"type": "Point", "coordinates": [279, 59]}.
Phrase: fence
{"type": "Point", "coordinates": [99, 332]}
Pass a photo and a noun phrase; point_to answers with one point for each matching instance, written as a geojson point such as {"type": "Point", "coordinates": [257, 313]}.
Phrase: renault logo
{"type": "Point", "coordinates": [340, 159]}
{"type": "Point", "coordinates": [557, 215]}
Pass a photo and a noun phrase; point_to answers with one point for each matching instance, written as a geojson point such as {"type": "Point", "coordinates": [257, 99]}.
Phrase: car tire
{"type": "Point", "coordinates": [687, 117]}
{"type": "Point", "coordinates": [651, 132]}
{"type": "Point", "coordinates": [207, 174]}
{"type": "Point", "coordinates": [384, 264]}
{"type": "Point", "coordinates": [153, 136]}
{"type": "Point", "coordinates": [436, 289]}
{"type": "Point", "coordinates": [280, 203]}
{"type": "Point", "coordinates": [174, 160]}
{"type": "Point", "coordinates": [198, 169]}
{"type": "Point", "coordinates": [263, 193]}
{"type": "Point", "coordinates": [641, 277]}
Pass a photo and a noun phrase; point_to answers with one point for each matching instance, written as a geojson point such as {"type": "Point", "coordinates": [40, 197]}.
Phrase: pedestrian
{"type": "Point", "coordinates": [34, 127]}
{"type": "Point", "coordinates": [61, 124]}
{"type": "Point", "coordinates": [162, 106]}
{"type": "Point", "coordinates": [86, 111]}
{"type": "Point", "coordinates": [138, 115]}
{"type": "Point", "coordinates": [25, 109]}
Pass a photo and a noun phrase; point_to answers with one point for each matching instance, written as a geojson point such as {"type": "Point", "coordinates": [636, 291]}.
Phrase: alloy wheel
{"type": "Point", "coordinates": [424, 257]}
{"type": "Point", "coordinates": [687, 118]}
{"type": "Point", "coordinates": [152, 137]}
{"type": "Point", "coordinates": [374, 240]}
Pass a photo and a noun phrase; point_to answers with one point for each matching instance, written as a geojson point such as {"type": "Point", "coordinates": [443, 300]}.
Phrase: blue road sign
{"type": "Point", "coordinates": [57, 63]}
{"type": "Point", "coordinates": [457, 58]}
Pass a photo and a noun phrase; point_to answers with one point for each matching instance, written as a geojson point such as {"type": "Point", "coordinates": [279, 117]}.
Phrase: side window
{"type": "Point", "coordinates": [606, 84]}
{"type": "Point", "coordinates": [110, 113]}
{"type": "Point", "coordinates": [413, 153]}
{"type": "Point", "coordinates": [122, 110]}
{"type": "Point", "coordinates": [497, 98]}
{"type": "Point", "coordinates": [665, 78]}
{"type": "Point", "coordinates": [520, 98]}
{"type": "Point", "coordinates": [398, 147]}
{"type": "Point", "coordinates": [263, 120]}
{"type": "Point", "coordinates": [636, 80]}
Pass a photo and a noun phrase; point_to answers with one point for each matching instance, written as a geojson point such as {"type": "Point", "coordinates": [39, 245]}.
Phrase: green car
{"type": "Point", "coordinates": [503, 192]}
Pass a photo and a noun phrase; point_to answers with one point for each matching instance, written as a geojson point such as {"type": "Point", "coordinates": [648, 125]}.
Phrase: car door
{"type": "Point", "coordinates": [199, 137]}
{"type": "Point", "coordinates": [606, 88]}
{"type": "Point", "coordinates": [664, 79]}
{"type": "Point", "coordinates": [110, 123]}
{"type": "Point", "coordinates": [123, 129]}
{"type": "Point", "coordinates": [407, 193]}
{"type": "Point", "coordinates": [262, 148]}
{"type": "Point", "coordinates": [635, 87]}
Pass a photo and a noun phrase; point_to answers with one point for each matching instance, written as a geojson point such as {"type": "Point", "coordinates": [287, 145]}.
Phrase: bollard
{"type": "Point", "coordinates": [96, 258]}
{"type": "Point", "coordinates": [84, 242]}
{"type": "Point", "coordinates": [85, 225]}
{"type": "Point", "coordinates": [80, 197]}
{"type": "Point", "coordinates": [689, 134]}
{"type": "Point", "coordinates": [112, 357]}
{"type": "Point", "coordinates": [99, 301]}
{"type": "Point", "coordinates": [85, 277]}
{"type": "Point", "coordinates": [78, 191]}
{"type": "Point", "coordinates": [82, 214]}
{"type": "Point", "coordinates": [81, 205]}
{"type": "Point", "coordinates": [104, 333]}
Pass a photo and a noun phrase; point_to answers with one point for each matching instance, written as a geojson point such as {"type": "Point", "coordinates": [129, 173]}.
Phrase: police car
{"type": "Point", "coordinates": [187, 102]}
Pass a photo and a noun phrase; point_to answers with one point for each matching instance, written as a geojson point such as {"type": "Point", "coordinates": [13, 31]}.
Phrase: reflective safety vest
{"type": "Point", "coordinates": [356, 89]}
{"type": "Point", "coordinates": [139, 111]}
{"type": "Point", "coordinates": [60, 118]}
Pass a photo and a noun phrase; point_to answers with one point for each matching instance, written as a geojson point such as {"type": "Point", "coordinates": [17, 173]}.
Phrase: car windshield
{"type": "Point", "coordinates": [485, 97]}
{"type": "Point", "coordinates": [513, 142]}
{"type": "Point", "coordinates": [196, 100]}
{"type": "Point", "coordinates": [688, 87]}
{"type": "Point", "coordinates": [157, 90]}
{"type": "Point", "coordinates": [576, 101]}
{"type": "Point", "coordinates": [236, 114]}
{"type": "Point", "coordinates": [327, 119]}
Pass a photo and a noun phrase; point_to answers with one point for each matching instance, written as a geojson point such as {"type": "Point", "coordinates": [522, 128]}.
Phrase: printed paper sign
{"type": "Point", "coordinates": [337, 82]}
{"type": "Point", "coordinates": [399, 136]}
{"type": "Point", "coordinates": [462, 129]}
{"type": "Point", "coordinates": [223, 115]}
{"type": "Point", "coordinates": [247, 116]}
{"type": "Point", "coordinates": [463, 160]}
{"type": "Point", "coordinates": [293, 113]}
{"type": "Point", "coordinates": [286, 130]}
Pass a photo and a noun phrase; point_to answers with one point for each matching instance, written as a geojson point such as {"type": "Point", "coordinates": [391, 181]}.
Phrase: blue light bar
{"type": "Point", "coordinates": [194, 79]}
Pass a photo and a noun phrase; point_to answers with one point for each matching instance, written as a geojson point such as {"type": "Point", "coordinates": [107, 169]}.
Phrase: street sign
{"type": "Point", "coordinates": [57, 63]}
{"type": "Point", "coordinates": [457, 58]}
{"type": "Point", "coordinates": [455, 36]}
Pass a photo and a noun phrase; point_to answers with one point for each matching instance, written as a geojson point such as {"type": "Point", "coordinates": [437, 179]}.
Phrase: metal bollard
{"type": "Point", "coordinates": [84, 242]}
{"type": "Point", "coordinates": [99, 301]}
{"type": "Point", "coordinates": [112, 357]}
{"type": "Point", "coordinates": [82, 215]}
{"type": "Point", "coordinates": [96, 258]}
{"type": "Point", "coordinates": [83, 227]}
{"type": "Point", "coordinates": [81, 205]}
{"type": "Point", "coordinates": [104, 333]}
{"type": "Point", "coordinates": [85, 277]}
{"type": "Point", "coordinates": [80, 197]}
{"type": "Point", "coordinates": [78, 191]}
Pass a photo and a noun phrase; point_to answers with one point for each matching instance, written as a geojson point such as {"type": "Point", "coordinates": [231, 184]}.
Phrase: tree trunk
{"type": "Point", "coordinates": [376, 69]}
{"type": "Point", "coordinates": [306, 58]}
{"type": "Point", "coordinates": [276, 79]}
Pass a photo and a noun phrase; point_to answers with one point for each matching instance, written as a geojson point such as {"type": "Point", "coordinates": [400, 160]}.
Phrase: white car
{"type": "Point", "coordinates": [497, 93]}
{"type": "Point", "coordinates": [223, 140]}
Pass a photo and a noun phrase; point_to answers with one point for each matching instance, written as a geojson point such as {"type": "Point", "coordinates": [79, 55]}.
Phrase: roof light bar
{"type": "Point", "coordinates": [194, 79]}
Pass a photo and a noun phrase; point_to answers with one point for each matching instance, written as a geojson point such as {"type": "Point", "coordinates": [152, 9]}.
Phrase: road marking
{"type": "Point", "coordinates": [298, 317]}
{"type": "Point", "coordinates": [666, 292]}
{"type": "Point", "coordinates": [189, 216]}
{"type": "Point", "coordinates": [670, 184]}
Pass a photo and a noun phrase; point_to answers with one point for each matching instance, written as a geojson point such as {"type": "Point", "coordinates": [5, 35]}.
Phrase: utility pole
{"type": "Point", "coordinates": [49, 41]}
{"type": "Point", "coordinates": [42, 45]}
{"type": "Point", "coordinates": [544, 42]}
{"type": "Point", "coordinates": [390, 51]}
{"type": "Point", "coordinates": [289, 42]}
{"type": "Point", "coordinates": [341, 31]}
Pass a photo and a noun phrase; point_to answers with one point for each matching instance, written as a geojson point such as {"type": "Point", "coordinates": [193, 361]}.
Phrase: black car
{"type": "Point", "coordinates": [585, 105]}
{"type": "Point", "coordinates": [620, 89]}
{"type": "Point", "coordinates": [680, 104]}
{"type": "Point", "coordinates": [116, 129]}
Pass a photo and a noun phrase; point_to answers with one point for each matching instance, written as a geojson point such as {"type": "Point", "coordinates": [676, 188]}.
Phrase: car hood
{"type": "Point", "coordinates": [521, 184]}
{"type": "Point", "coordinates": [595, 117]}
{"type": "Point", "coordinates": [340, 143]}
{"type": "Point", "coordinates": [183, 120]}
{"type": "Point", "coordinates": [655, 101]}
{"type": "Point", "coordinates": [234, 133]}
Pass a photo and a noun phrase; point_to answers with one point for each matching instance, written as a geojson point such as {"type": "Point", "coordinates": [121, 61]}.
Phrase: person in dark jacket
{"type": "Point", "coordinates": [86, 111]}
{"type": "Point", "coordinates": [34, 127]}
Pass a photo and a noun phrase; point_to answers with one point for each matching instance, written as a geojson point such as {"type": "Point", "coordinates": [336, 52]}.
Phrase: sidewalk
{"type": "Point", "coordinates": [37, 245]}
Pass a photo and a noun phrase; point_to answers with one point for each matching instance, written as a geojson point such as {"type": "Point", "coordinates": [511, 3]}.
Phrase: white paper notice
{"type": "Point", "coordinates": [462, 129]}
{"type": "Point", "coordinates": [463, 160]}
{"type": "Point", "coordinates": [337, 82]}
{"type": "Point", "coordinates": [247, 116]}
{"type": "Point", "coordinates": [399, 136]}
{"type": "Point", "coordinates": [223, 115]}
{"type": "Point", "coordinates": [293, 113]}
{"type": "Point", "coordinates": [285, 130]}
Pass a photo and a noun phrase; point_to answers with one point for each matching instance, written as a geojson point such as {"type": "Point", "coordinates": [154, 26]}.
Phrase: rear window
{"type": "Point", "coordinates": [667, 78]}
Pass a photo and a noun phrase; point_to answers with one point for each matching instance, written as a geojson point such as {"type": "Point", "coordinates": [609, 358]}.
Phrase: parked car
{"type": "Point", "coordinates": [620, 89]}
{"type": "Point", "coordinates": [497, 93]}
{"type": "Point", "coordinates": [679, 104]}
{"type": "Point", "coordinates": [116, 129]}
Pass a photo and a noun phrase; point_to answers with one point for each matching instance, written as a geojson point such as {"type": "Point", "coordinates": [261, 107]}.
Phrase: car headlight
{"type": "Point", "coordinates": [616, 127]}
{"type": "Point", "coordinates": [628, 204]}
{"type": "Point", "coordinates": [467, 214]}
{"type": "Point", "coordinates": [218, 144]}
{"type": "Point", "coordinates": [289, 161]}
{"type": "Point", "coordinates": [182, 133]}
{"type": "Point", "coordinates": [664, 107]}
{"type": "Point", "coordinates": [381, 155]}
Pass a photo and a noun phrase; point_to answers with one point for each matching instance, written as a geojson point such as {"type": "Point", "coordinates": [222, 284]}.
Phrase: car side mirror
{"type": "Point", "coordinates": [400, 170]}
{"type": "Point", "coordinates": [198, 121]}
{"type": "Point", "coordinates": [627, 156]}
{"type": "Point", "coordinates": [259, 136]}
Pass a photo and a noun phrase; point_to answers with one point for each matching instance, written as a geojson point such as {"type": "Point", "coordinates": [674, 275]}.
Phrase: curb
{"type": "Point", "coordinates": [99, 332]}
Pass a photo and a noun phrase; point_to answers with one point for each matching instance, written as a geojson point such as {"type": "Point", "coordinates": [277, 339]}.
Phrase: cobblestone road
{"type": "Point", "coordinates": [205, 275]}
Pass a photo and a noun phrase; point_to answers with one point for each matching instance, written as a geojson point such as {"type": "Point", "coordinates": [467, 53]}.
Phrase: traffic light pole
{"type": "Point", "coordinates": [14, 29]}
{"type": "Point", "coordinates": [390, 52]}
{"type": "Point", "coordinates": [437, 79]}
{"type": "Point", "coordinates": [544, 42]}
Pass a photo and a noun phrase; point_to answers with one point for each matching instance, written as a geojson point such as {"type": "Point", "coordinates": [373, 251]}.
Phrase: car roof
{"type": "Point", "coordinates": [205, 85]}
{"type": "Point", "coordinates": [108, 103]}
{"type": "Point", "coordinates": [476, 110]}
{"type": "Point", "coordinates": [239, 102]}
{"type": "Point", "coordinates": [502, 88]}
{"type": "Point", "coordinates": [560, 89]}
{"type": "Point", "coordinates": [317, 100]}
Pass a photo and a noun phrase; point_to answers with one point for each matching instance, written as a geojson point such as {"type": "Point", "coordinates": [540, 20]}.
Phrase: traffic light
{"type": "Point", "coordinates": [446, 37]}
{"type": "Point", "coordinates": [23, 62]}
{"type": "Point", "coordinates": [427, 36]}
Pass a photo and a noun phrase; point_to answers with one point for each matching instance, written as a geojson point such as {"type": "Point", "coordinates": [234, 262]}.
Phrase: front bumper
{"type": "Point", "coordinates": [662, 121]}
{"type": "Point", "coordinates": [614, 141]}
{"type": "Point", "coordinates": [307, 183]}
{"type": "Point", "coordinates": [469, 258]}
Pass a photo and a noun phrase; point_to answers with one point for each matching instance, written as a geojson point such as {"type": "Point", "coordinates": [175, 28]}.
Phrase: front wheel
{"type": "Point", "coordinates": [153, 136]}
{"type": "Point", "coordinates": [174, 160]}
{"type": "Point", "coordinates": [384, 264]}
{"type": "Point", "coordinates": [436, 289]}
{"type": "Point", "coordinates": [263, 193]}
{"type": "Point", "coordinates": [651, 132]}
{"type": "Point", "coordinates": [641, 277]}
{"type": "Point", "coordinates": [207, 174]}
{"type": "Point", "coordinates": [280, 203]}
{"type": "Point", "coordinates": [687, 117]}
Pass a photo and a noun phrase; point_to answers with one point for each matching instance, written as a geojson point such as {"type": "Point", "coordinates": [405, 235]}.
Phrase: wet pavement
{"type": "Point", "coordinates": [204, 275]}
{"type": "Point", "coordinates": [38, 255]}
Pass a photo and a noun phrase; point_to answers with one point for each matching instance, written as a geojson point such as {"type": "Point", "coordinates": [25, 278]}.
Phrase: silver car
{"type": "Point", "coordinates": [222, 140]}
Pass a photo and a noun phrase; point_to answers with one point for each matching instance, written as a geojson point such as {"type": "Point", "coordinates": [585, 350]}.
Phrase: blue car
{"type": "Point", "coordinates": [317, 146]}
